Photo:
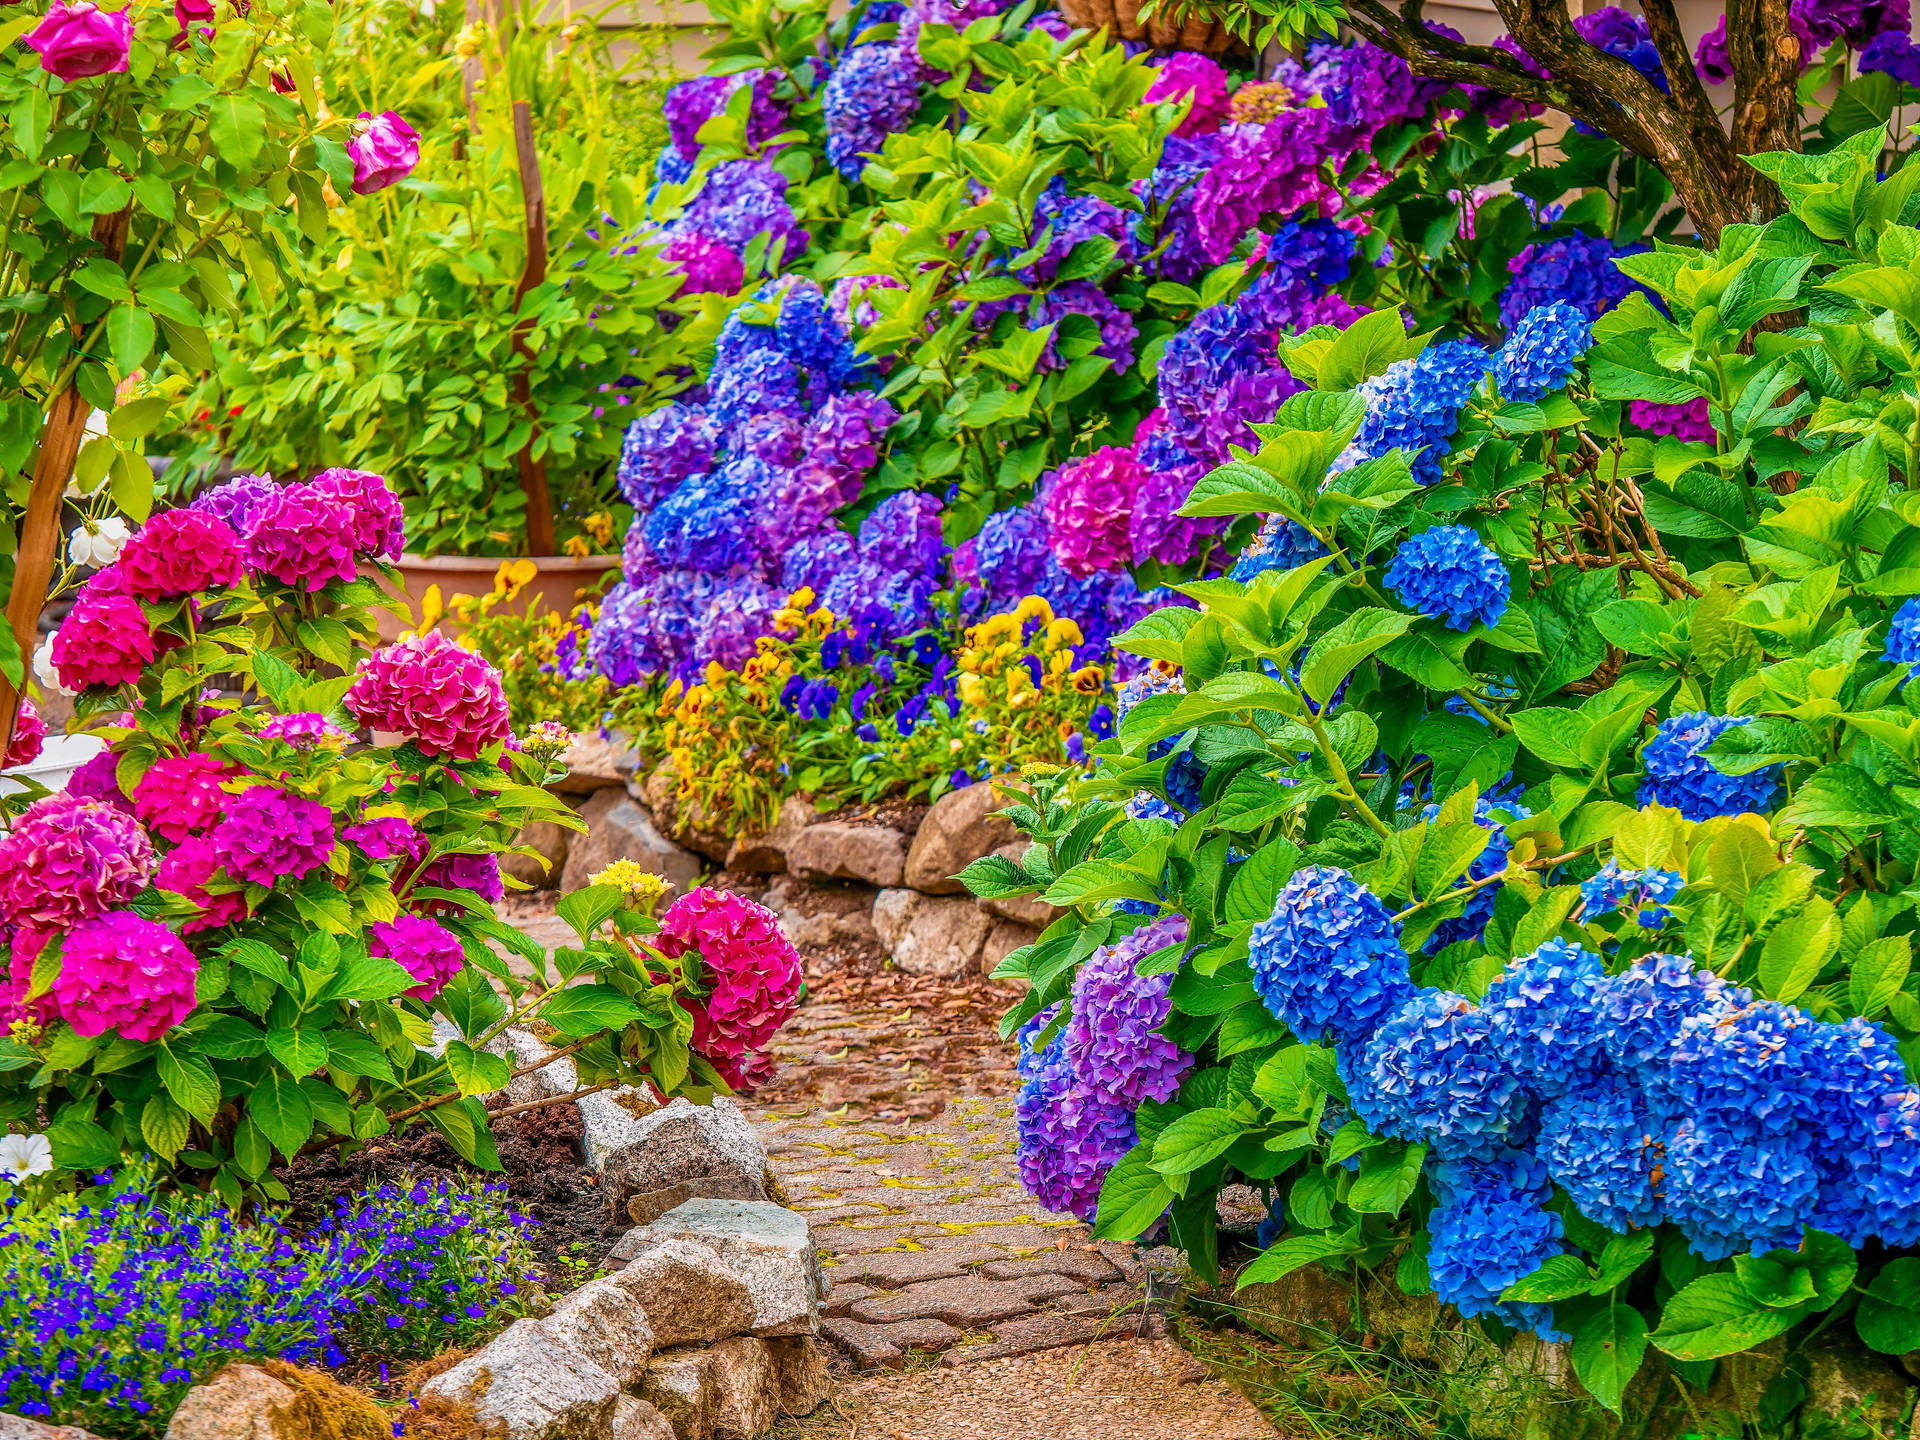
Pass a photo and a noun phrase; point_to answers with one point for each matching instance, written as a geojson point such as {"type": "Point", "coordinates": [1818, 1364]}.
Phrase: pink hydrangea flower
{"type": "Point", "coordinates": [1691, 421]}
{"type": "Point", "coordinates": [385, 149]}
{"type": "Point", "coordinates": [445, 699]}
{"type": "Point", "coordinates": [753, 971]}
{"type": "Point", "coordinates": [425, 950]}
{"type": "Point", "coordinates": [186, 870]}
{"type": "Point", "coordinates": [1185, 73]}
{"type": "Point", "coordinates": [179, 552]}
{"type": "Point", "coordinates": [181, 795]}
{"type": "Point", "coordinates": [379, 522]}
{"type": "Point", "coordinates": [123, 973]}
{"type": "Point", "coordinates": [303, 537]}
{"type": "Point", "coordinates": [20, 948]}
{"type": "Point", "coordinates": [387, 838]}
{"type": "Point", "coordinates": [269, 834]}
{"type": "Point", "coordinates": [104, 640]}
{"type": "Point", "coordinates": [68, 859]}
{"type": "Point", "coordinates": [1089, 509]}
{"type": "Point", "coordinates": [82, 40]}
{"type": "Point", "coordinates": [29, 737]}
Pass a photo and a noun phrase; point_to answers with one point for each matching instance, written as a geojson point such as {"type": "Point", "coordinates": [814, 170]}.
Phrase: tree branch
{"type": "Point", "coordinates": [1690, 97]}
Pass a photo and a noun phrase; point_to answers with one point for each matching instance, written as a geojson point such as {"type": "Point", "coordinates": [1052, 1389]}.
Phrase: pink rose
{"type": "Point", "coordinates": [79, 40]}
{"type": "Point", "coordinates": [190, 12]}
{"type": "Point", "coordinates": [384, 149]}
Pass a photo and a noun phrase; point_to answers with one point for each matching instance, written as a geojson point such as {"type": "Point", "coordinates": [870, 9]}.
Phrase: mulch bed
{"type": "Point", "coordinates": [540, 1151]}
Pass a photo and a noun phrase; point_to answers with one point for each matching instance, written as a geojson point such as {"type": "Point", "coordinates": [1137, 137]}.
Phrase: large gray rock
{"type": "Point", "coordinates": [19, 1427]}
{"type": "Point", "coordinates": [612, 1118]}
{"type": "Point", "coordinates": [805, 1381]}
{"type": "Point", "coordinates": [241, 1402]}
{"type": "Point", "coordinates": [646, 1206]}
{"type": "Point", "coordinates": [690, 1295]}
{"type": "Point", "coordinates": [682, 1142]}
{"type": "Point", "coordinates": [931, 934]}
{"type": "Point", "coordinates": [835, 850]}
{"type": "Point", "coordinates": [679, 1384]}
{"type": "Point", "coordinates": [607, 1324]}
{"type": "Point", "coordinates": [767, 854]}
{"type": "Point", "coordinates": [526, 1385]}
{"type": "Point", "coordinates": [958, 830]}
{"type": "Point", "coordinates": [635, 1419]}
{"type": "Point", "coordinates": [620, 829]}
{"type": "Point", "coordinates": [596, 763]}
{"type": "Point", "coordinates": [766, 1245]}
{"type": "Point", "coordinates": [822, 916]}
{"type": "Point", "coordinates": [745, 1388]}
{"type": "Point", "coordinates": [553, 842]}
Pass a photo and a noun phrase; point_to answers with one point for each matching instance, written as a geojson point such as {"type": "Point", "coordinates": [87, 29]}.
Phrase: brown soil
{"type": "Point", "coordinates": [540, 1151]}
{"type": "Point", "coordinates": [902, 815]}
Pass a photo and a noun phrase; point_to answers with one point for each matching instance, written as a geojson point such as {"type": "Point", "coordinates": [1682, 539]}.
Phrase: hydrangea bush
{"type": "Point", "coordinates": [262, 918]}
{"type": "Point", "coordinates": [1526, 843]}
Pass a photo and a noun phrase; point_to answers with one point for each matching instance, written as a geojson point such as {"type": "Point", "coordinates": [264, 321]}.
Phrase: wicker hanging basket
{"type": "Point", "coordinates": [1122, 17]}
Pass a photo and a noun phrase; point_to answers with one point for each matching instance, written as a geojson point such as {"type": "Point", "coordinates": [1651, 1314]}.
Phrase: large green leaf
{"type": "Point", "coordinates": [1607, 1352]}
{"type": "Point", "coordinates": [1715, 1316]}
{"type": "Point", "coordinates": [1194, 1139]}
{"type": "Point", "coordinates": [280, 1108]}
{"type": "Point", "coordinates": [1133, 1196]}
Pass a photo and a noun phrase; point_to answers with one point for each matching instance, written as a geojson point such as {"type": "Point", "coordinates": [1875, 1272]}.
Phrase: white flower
{"type": "Point", "coordinates": [43, 668]}
{"type": "Point", "coordinates": [24, 1155]}
{"type": "Point", "coordinates": [98, 542]}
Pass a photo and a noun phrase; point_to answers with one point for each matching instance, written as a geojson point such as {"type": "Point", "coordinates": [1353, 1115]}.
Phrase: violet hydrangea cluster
{"type": "Point", "coordinates": [1111, 1038]}
{"type": "Point", "coordinates": [1069, 1138]}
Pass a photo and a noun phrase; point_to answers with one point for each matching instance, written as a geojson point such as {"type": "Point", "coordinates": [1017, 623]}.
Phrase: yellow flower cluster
{"type": "Point", "coordinates": [998, 648]}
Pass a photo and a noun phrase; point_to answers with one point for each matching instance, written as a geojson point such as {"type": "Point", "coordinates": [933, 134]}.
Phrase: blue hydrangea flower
{"type": "Point", "coordinates": [1415, 405]}
{"type": "Point", "coordinates": [706, 524]}
{"type": "Point", "coordinates": [1643, 1007]}
{"type": "Point", "coordinates": [1185, 775]}
{"type": "Point", "coordinates": [1145, 805]}
{"type": "Point", "coordinates": [1903, 635]}
{"type": "Point", "coordinates": [750, 383]}
{"type": "Point", "coordinates": [1679, 776]}
{"type": "Point", "coordinates": [662, 448]}
{"type": "Point", "coordinates": [1280, 544]}
{"type": "Point", "coordinates": [1272, 1227]}
{"type": "Point", "coordinates": [1602, 1143]}
{"type": "Point", "coordinates": [741, 201]}
{"type": "Point", "coordinates": [1731, 1191]}
{"type": "Point", "coordinates": [1431, 1073]}
{"type": "Point", "coordinates": [1576, 270]}
{"type": "Point", "coordinates": [1544, 1012]}
{"type": "Point", "coordinates": [1329, 957]}
{"type": "Point", "coordinates": [903, 533]}
{"type": "Point", "coordinates": [1485, 1237]}
{"type": "Point", "coordinates": [1890, 1180]}
{"type": "Point", "coordinates": [873, 92]}
{"type": "Point", "coordinates": [1643, 891]}
{"type": "Point", "coordinates": [1541, 352]}
{"type": "Point", "coordinates": [1448, 571]}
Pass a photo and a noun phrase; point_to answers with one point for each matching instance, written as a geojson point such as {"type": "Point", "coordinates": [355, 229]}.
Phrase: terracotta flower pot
{"type": "Point", "coordinates": [557, 580]}
{"type": "Point", "coordinates": [1122, 17]}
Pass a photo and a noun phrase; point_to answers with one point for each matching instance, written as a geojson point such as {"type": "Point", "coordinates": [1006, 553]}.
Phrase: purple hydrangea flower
{"type": "Point", "coordinates": [1110, 1040]}
{"type": "Point", "coordinates": [270, 834]}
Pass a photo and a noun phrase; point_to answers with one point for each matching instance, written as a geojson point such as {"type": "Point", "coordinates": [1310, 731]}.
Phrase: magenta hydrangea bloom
{"type": "Point", "coordinates": [1691, 421]}
{"type": "Point", "coordinates": [752, 967]}
{"type": "Point", "coordinates": [387, 838]}
{"type": "Point", "coordinates": [123, 973]}
{"type": "Point", "coordinates": [379, 522]}
{"type": "Point", "coordinates": [179, 552]}
{"type": "Point", "coordinates": [19, 948]}
{"type": "Point", "coordinates": [1185, 73]}
{"type": "Point", "coordinates": [186, 870]}
{"type": "Point", "coordinates": [104, 640]}
{"type": "Point", "coordinates": [425, 950]}
{"type": "Point", "coordinates": [478, 873]}
{"type": "Point", "coordinates": [66, 860]}
{"type": "Point", "coordinates": [270, 834]}
{"type": "Point", "coordinates": [445, 699]}
{"type": "Point", "coordinates": [1156, 532]}
{"type": "Point", "coordinates": [1089, 509]}
{"type": "Point", "coordinates": [29, 737]}
{"type": "Point", "coordinates": [303, 730]}
{"type": "Point", "coordinates": [1111, 1039]}
{"type": "Point", "coordinates": [303, 537]}
{"type": "Point", "coordinates": [181, 795]}
{"type": "Point", "coordinates": [710, 265]}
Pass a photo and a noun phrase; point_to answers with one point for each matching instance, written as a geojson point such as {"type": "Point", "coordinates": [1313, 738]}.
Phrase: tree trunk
{"type": "Point", "coordinates": [40, 533]}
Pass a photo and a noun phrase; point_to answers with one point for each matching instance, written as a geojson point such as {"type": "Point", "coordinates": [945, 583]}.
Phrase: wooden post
{"type": "Point", "coordinates": [533, 472]}
{"type": "Point", "coordinates": [472, 69]}
{"type": "Point", "coordinates": [40, 533]}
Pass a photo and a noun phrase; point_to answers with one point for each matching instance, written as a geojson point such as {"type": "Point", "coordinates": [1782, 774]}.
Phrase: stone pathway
{"type": "Point", "coordinates": [889, 1124]}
